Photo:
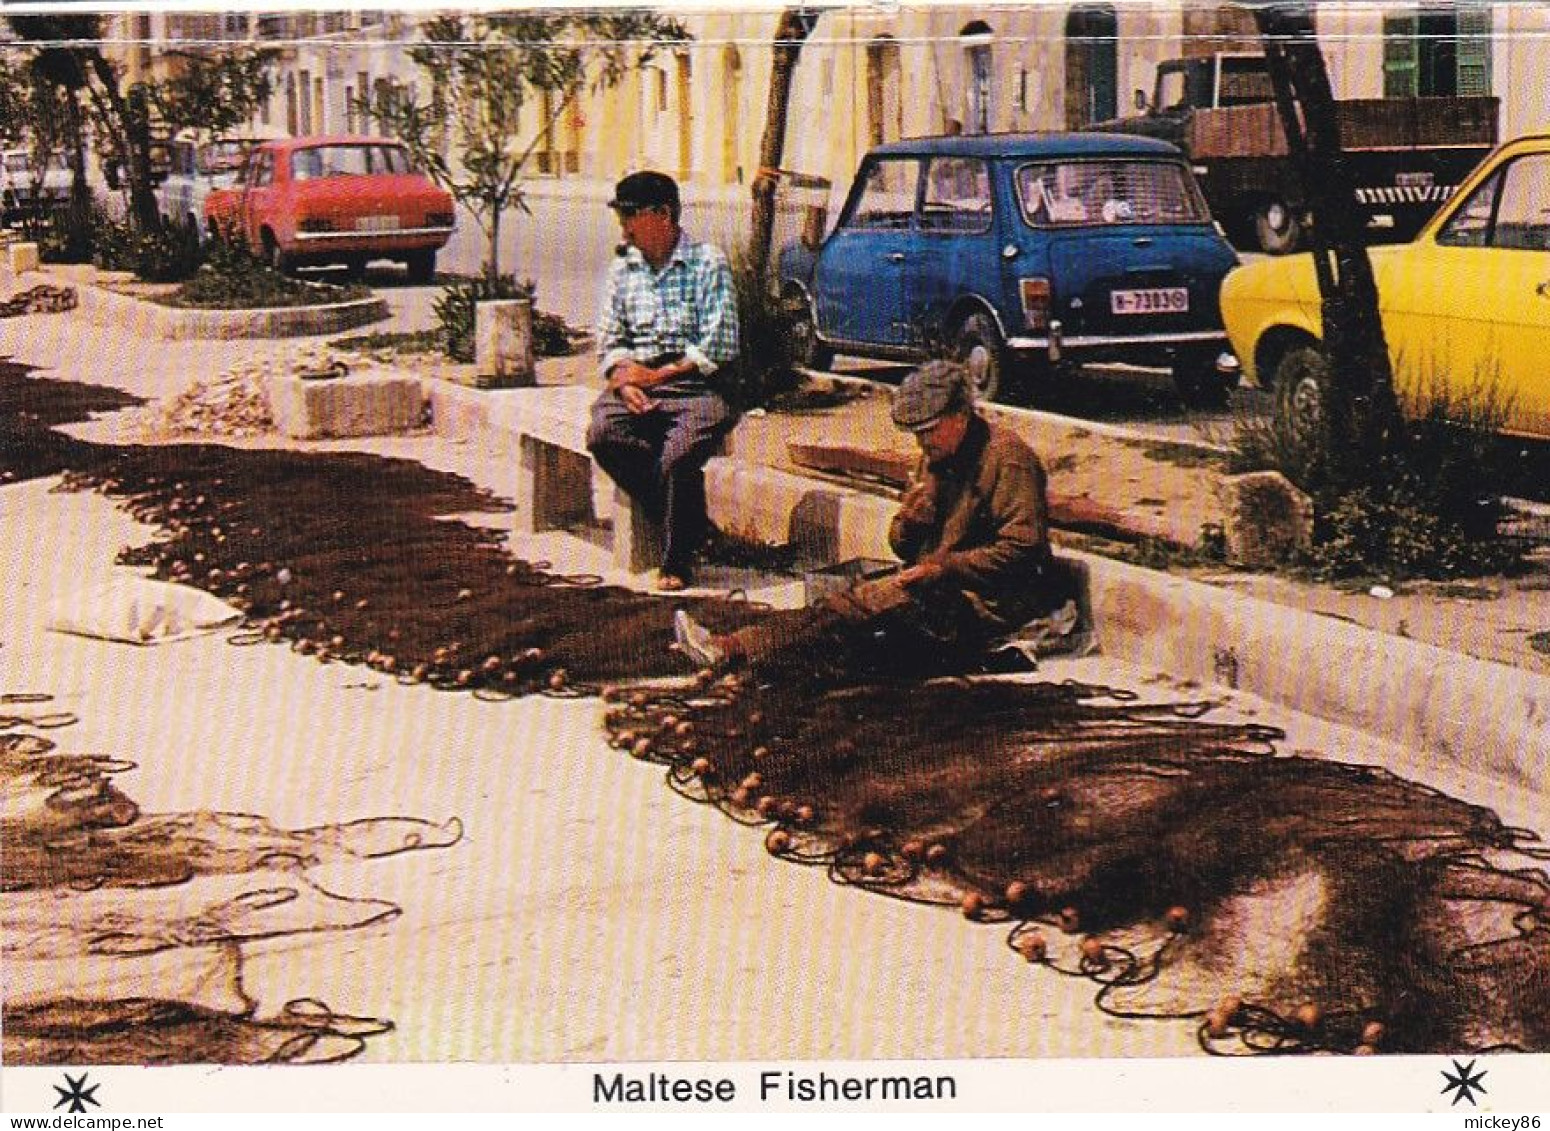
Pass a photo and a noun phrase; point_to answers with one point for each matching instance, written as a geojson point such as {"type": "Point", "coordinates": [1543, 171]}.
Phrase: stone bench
{"type": "Point", "coordinates": [545, 429]}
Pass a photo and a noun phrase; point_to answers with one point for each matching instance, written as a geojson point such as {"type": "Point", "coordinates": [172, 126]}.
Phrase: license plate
{"type": "Point", "coordinates": [1153, 300]}
{"type": "Point", "coordinates": [377, 224]}
{"type": "Point", "coordinates": [1414, 180]}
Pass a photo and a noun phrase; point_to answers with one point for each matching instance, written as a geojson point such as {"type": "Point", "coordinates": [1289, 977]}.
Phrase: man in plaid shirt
{"type": "Point", "coordinates": [667, 329]}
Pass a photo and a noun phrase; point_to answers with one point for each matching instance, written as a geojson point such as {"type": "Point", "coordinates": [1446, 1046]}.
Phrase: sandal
{"type": "Point", "coordinates": [671, 582]}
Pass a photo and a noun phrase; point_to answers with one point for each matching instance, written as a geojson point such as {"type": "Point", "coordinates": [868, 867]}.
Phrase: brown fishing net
{"type": "Point", "coordinates": [121, 932]}
{"type": "Point", "coordinates": [1285, 903]}
{"type": "Point", "coordinates": [1281, 903]}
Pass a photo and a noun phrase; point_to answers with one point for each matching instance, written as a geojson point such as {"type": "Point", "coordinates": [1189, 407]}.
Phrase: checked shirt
{"type": "Point", "coordinates": [689, 308]}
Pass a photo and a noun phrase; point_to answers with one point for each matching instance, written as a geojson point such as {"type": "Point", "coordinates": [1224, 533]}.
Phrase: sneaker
{"type": "Point", "coordinates": [696, 641]}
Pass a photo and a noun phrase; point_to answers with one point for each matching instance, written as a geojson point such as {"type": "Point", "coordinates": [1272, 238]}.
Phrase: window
{"type": "Point", "coordinates": [1511, 209]}
{"type": "Point", "coordinates": [1437, 50]}
{"type": "Point", "coordinates": [1109, 192]}
{"type": "Point", "coordinates": [957, 196]}
{"type": "Point", "coordinates": [263, 173]}
{"type": "Point", "coordinates": [887, 195]}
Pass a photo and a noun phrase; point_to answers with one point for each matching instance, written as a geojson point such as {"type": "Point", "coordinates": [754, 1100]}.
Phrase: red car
{"type": "Point", "coordinates": [308, 201]}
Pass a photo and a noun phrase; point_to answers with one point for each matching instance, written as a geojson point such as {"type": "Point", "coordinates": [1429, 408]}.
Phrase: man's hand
{"type": "Point", "coordinates": [922, 572]}
{"type": "Point", "coordinates": [918, 506]}
{"type": "Point", "coordinates": [630, 374]}
{"type": "Point", "coordinates": [635, 399]}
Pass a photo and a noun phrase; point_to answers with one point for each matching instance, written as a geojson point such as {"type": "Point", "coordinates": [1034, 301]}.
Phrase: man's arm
{"type": "Point", "coordinates": [1021, 515]}
{"type": "Point", "coordinates": [716, 297]}
{"type": "Point", "coordinates": [613, 339]}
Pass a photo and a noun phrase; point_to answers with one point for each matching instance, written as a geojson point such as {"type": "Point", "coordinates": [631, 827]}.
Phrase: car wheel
{"type": "Point", "coordinates": [979, 346]}
{"type": "Point", "coordinates": [274, 257]}
{"type": "Point", "coordinates": [1198, 383]}
{"type": "Point", "coordinates": [1301, 377]}
{"type": "Point", "coordinates": [806, 349]}
{"type": "Point", "coordinates": [422, 267]}
{"type": "Point", "coordinates": [1277, 227]}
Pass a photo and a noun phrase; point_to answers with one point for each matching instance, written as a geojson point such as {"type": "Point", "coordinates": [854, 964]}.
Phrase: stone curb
{"type": "Point", "coordinates": [149, 319]}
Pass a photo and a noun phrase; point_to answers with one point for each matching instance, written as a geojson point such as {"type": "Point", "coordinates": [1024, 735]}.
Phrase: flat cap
{"type": "Point", "coordinates": [648, 189]}
{"type": "Point", "coordinates": [930, 393]}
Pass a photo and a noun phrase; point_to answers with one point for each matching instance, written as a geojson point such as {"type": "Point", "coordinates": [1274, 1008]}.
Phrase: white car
{"type": "Point", "coordinates": [199, 166]}
{"type": "Point", "coordinates": [24, 187]}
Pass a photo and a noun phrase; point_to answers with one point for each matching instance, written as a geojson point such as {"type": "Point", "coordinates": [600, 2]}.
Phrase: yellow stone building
{"type": "Point", "coordinates": [866, 75]}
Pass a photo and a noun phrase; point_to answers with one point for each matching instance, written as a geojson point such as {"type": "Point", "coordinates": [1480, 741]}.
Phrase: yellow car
{"type": "Point", "coordinates": [1465, 305]}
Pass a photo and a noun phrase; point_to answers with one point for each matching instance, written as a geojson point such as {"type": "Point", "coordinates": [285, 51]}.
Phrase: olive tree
{"type": "Point", "coordinates": [482, 70]}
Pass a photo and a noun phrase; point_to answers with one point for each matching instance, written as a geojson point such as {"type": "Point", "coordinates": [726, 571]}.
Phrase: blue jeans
{"type": "Point", "coordinates": [658, 458]}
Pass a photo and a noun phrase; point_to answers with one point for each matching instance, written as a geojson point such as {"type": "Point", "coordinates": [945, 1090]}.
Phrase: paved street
{"type": "Point", "coordinates": [588, 913]}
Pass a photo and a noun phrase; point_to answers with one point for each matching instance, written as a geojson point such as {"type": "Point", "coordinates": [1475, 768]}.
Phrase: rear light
{"type": "Point", "coordinates": [438, 219]}
{"type": "Point", "coordinates": [1036, 301]}
{"type": "Point", "coordinates": [314, 224]}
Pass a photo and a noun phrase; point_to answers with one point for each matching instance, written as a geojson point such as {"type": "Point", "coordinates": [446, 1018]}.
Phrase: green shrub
{"type": "Point", "coordinates": [456, 316]}
{"type": "Point", "coordinates": [169, 254]}
{"type": "Point", "coordinates": [765, 366]}
{"type": "Point", "coordinates": [233, 278]}
{"type": "Point", "coordinates": [1426, 506]}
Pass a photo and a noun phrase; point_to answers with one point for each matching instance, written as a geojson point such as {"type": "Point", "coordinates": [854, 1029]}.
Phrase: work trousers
{"type": "Point", "coordinates": [658, 458]}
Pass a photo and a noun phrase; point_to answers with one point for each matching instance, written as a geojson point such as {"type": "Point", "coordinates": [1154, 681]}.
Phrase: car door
{"type": "Point", "coordinates": [955, 252]}
{"type": "Point", "coordinates": [859, 284]}
{"type": "Point", "coordinates": [259, 197]}
{"type": "Point", "coordinates": [1470, 305]}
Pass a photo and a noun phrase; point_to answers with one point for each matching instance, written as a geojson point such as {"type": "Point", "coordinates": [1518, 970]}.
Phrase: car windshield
{"type": "Point", "coordinates": [348, 161]}
{"type": "Point", "coordinates": [1109, 192]}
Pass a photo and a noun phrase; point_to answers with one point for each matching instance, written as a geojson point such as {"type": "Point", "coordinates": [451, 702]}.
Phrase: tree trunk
{"type": "Point", "coordinates": [790, 34]}
{"type": "Point", "coordinates": [492, 265]}
{"type": "Point", "coordinates": [1361, 412]}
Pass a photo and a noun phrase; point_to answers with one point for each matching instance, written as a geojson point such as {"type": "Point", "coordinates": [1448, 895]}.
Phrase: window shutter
{"type": "Point", "coordinates": [1474, 49]}
{"type": "Point", "coordinates": [1399, 55]}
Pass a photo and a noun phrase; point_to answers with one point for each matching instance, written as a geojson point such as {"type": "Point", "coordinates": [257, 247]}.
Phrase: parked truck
{"type": "Point", "coordinates": [1407, 155]}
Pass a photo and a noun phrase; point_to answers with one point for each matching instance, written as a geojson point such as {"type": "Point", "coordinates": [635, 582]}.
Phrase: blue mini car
{"type": "Point", "coordinates": [1015, 253]}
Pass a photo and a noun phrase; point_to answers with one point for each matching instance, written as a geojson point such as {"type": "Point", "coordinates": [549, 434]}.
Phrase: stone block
{"type": "Point", "coordinates": [1266, 520]}
{"type": "Point", "coordinates": [23, 257]}
{"type": "Point", "coordinates": [376, 403]}
{"type": "Point", "coordinates": [503, 342]}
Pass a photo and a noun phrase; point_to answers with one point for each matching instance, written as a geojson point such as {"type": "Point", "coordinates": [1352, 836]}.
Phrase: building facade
{"type": "Point", "coordinates": [866, 76]}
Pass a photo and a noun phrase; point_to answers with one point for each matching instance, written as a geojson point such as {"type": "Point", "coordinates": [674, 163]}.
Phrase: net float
{"type": "Point", "coordinates": [740, 797]}
{"type": "Point", "coordinates": [392, 634]}
{"type": "Point", "coordinates": [363, 603]}
{"type": "Point", "coordinates": [1093, 953]}
{"type": "Point", "coordinates": [1033, 947]}
{"type": "Point", "coordinates": [760, 753]}
{"type": "Point", "coordinates": [1309, 1016]}
{"type": "Point", "coordinates": [913, 851]}
{"type": "Point", "coordinates": [558, 679]}
{"type": "Point", "coordinates": [465, 677]}
{"type": "Point", "coordinates": [778, 842]}
{"type": "Point", "coordinates": [418, 673]}
{"type": "Point", "coordinates": [338, 596]}
{"type": "Point", "coordinates": [491, 664]}
{"type": "Point", "coordinates": [752, 781]}
{"type": "Point", "coordinates": [1016, 892]}
{"type": "Point", "coordinates": [684, 729]}
{"type": "Point", "coordinates": [464, 594]}
{"type": "Point", "coordinates": [1070, 919]}
{"type": "Point", "coordinates": [702, 767]}
{"type": "Point", "coordinates": [642, 748]}
{"type": "Point", "coordinates": [973, 905]}
{"type": "Point", "coordinates": [936, 854]}
{"type": "Point", "coordinates": [1364, 1050]}
{"type": "Point", "coordinates": [767, 805]}
{"type": "Point", "coordinates": [336, 642]}
{"type": "Point", "coordinates": [1178, 918]}
{"type": "Point", "coordinates": [1373, 1033]}
{"type": "Point", "coordinates": [803, 815]}
{"type": "Point", "coordinates": [873, 862]}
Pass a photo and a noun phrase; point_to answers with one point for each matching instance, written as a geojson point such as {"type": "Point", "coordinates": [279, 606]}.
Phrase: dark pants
{"type": "Point", "coordinates": [881, 628]}
{"type": "Point", "coordinates": [658, 458]}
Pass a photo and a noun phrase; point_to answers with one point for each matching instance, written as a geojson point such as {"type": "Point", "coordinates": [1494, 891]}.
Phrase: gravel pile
{"type": "Point", "coordinates": [233, 403]}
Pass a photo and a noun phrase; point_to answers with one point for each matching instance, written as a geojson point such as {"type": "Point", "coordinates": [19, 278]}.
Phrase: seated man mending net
{"type": "Point", "coordinates": [972, 530]}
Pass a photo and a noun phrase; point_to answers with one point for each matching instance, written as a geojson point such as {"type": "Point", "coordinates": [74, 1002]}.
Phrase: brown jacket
{"type": "Point", "coordinates": [985, 518]}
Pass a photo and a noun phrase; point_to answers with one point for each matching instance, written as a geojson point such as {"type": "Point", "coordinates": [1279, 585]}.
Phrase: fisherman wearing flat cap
{"type": "Point", "coordinates": [972, 531]}
{"type": "Point", "coordinates": [666, 331]}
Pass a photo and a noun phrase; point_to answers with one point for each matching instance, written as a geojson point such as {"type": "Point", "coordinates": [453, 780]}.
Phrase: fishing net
{"type": "Point", "coordinates": [121, 932]}
{"type": "Point", "coordinates": [1281, 903]}
{"type": "Point", "coordinates": [1284, 903]}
